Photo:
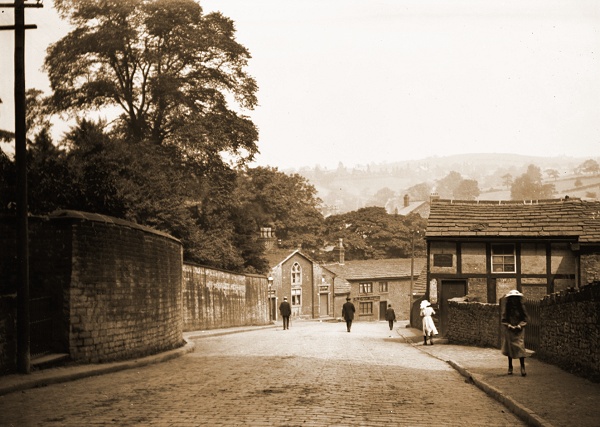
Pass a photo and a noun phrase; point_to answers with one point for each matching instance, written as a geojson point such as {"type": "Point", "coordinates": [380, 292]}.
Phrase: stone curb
{"type": "Point", "coordinates": [42, 378]}
{"type": "Point", "coordinates": [64, 374]}
{"type": "Point", "coordinates": [525, 414]}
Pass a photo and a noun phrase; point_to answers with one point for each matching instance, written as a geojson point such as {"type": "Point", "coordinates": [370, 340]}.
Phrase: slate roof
{"type": "Point", "coordinates": [376, 268]}
{"type": "Point", "coordinates": [545, 218]}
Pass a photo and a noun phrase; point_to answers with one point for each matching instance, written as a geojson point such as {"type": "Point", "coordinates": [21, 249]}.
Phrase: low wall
{"type": "Point", "coordinates": [473, 323]}
{"type": "Point", "coordinates": [215, 299]}
{"type": "Point", "coordinates": [570, 332]}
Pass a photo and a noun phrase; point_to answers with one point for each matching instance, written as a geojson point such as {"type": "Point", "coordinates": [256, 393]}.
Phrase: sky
{"type": "Point", "coordinates": [379, 81]}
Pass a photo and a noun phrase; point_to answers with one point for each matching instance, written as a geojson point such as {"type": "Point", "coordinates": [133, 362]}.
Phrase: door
{"type": "Point", "coordinates": [382, 309]}
{"type": "Point", "coordinates": [449, 290]}
{"type": "Point", "coordinates": [324, 304]}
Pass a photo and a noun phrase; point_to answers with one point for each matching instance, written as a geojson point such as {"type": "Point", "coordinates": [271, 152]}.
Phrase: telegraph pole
{"type": "Point", "coordinates": [23, 346]}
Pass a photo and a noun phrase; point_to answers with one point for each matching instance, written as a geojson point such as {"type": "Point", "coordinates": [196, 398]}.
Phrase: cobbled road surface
{"type": "Point", "coordinates": [314, 374]}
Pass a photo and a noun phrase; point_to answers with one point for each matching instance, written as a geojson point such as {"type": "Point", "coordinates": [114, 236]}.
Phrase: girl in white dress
{"type": "Point", "coordinates": [429, 329]}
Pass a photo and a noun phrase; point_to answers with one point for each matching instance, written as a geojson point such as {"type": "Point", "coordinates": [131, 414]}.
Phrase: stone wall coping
{"type": "Point", "coordinates": [67, 214]}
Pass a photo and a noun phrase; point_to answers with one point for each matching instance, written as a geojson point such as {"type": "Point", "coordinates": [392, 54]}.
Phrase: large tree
{"type": "Point", "coordinates": [287, 203]}
{"type": "Point", "coordinates": [170, 69]}
{"type": "Point", "coordinates": [529, 186]}
{"type": "Point", "coordinates": [372, 233]}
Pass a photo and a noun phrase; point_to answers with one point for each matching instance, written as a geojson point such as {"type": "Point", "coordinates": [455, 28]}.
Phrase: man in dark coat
{"type": "Point", "coordinates": [348, 313]}
{"type": "Point", "coordinates": [390, 316]}
{"type": "Point", "coordinates": [286, 311]}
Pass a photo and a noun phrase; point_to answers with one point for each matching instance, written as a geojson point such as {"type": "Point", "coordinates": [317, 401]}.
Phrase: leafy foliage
{"type": "Point", "coordinates": [168, 67]}
{"type": "Point", "coordinates": [286, 203]}
{"type": "Point", "coordinates": [529, 186]}
{"type": "Point", "coordinates": [372, 233]}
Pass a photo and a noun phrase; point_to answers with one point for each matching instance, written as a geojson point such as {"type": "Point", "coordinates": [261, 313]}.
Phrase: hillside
{"type": "Point", "coordinates": [344, 189]}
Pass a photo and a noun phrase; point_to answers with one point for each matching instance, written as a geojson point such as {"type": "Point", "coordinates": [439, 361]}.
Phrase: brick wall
{"type": "Point", "coordinates": [570, 332]}
{"type": "Point", "coordinates": [219, 299]}
{"type": "Point", "coordinates": [473, 323]}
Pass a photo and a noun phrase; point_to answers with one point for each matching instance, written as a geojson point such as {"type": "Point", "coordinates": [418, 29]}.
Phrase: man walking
{"type": "Point", "coordinates": [348, 313]}
{"type": "Point", "coordinates": [286, 311]}
{"type": "Point", "coordinates": [390, 316]}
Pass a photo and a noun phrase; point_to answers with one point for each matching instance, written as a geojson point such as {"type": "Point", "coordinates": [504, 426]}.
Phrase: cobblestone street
{"type": "Point", "coordinates": [314, 374]}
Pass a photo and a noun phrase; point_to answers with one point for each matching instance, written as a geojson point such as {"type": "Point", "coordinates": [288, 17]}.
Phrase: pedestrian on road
{"type": "Point", "coordinates": [286, 312]}
{"type": "Point", "coordinates": [429, 329]}
{"type": "Point", "coordinates": [390, 316]}
{"type": "Point", "coordinates": [348, 313]}
{"type": "Point", "coordinates": [514, 319]}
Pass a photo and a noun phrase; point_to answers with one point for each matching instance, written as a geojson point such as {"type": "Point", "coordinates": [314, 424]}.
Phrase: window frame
{"type": "Point", "coordinates": [365, 288]}
{"type": "Point", "coordinates": [365, 308]}
{"type": "Point", "coordinates": [296, 274]}
{"type": "Point", "coordinates": [383, 287]}
{"type": "Point", "coordinates": [296, 297]}
{"type": "Point", "coordinates": [503, 255]}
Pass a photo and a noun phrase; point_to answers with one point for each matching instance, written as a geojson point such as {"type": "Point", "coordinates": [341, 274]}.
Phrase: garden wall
{"type": "Point", "coordinates": [570, 330]}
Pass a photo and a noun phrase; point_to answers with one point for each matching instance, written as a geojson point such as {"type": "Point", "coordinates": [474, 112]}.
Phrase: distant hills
{"type": "Point", "coordinates": [348, 188]}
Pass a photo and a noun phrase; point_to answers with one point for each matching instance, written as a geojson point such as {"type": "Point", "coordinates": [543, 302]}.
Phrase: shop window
{"type": "Point", "coordinates": [383, 286]}
{"type": "Point", "coordinates": [366, 308]}
{"type": "Point", "coordinates": [365, 288]}
{"type": "Point", "coordinates": [503, 258]}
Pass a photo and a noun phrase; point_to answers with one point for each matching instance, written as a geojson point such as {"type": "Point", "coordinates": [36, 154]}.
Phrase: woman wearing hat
{"type": "Point", "coordinates": [514, 319]}
{"type": "Point", "coordinates": [429, 329]}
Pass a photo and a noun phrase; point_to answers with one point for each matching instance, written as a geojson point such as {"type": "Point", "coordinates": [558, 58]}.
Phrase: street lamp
{"type": "Point", "coordinates": [271, 291]}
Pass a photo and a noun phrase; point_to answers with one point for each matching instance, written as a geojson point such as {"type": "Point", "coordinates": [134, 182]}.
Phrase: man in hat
{"type": "Point", "coordinates": [348, 313]}
{"type": "Point", "coordinates": [286, 311]}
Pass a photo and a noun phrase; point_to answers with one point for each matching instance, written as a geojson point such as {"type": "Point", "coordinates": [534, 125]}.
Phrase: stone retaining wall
{"type": "Point", "coordinates": [215, 299]}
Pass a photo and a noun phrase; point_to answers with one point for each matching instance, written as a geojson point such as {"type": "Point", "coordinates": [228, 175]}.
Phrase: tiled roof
{"type": "Point", "coordinates": [377, 268]}
{"type": "Point", "coordinates": [546, 218]}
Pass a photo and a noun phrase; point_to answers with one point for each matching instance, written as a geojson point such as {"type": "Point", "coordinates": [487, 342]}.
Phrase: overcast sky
{"type": "Point", "coordinates": [372, 81]}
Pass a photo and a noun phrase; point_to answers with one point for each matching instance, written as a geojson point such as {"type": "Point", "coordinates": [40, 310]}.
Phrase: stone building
{"type": "Point", "coordinates": [486, 248]}
{"type": "Point", "coordinates": [307, 285]}
{"type": "Point", "coordinates": [373, 284]}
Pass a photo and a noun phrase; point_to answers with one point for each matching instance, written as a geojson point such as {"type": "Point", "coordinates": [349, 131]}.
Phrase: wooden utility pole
{"type": "Point", "coordinates": [23, 346]}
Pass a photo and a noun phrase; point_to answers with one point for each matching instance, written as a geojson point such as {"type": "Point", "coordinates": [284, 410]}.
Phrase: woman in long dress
{"type": "Point", "coordinates": [429, 329]}
{"type": "Point", "coordinates": [514, 319]}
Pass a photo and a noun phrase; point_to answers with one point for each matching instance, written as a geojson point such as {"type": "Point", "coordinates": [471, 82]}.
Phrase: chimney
{"type": "Point", "coordinates": [340, 250]}
{"type": "Point", "coordinates": [406, 200]}
{"type": "Point", "coordinates": [267, 237]}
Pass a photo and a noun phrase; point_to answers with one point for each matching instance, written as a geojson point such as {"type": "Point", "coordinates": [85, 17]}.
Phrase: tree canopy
{"type": "Point", "coordinates": [169, 68]}
{"type": "Point", "coordinates": [372, 233]}
{"type": "Point", "coordinates": [529, 186]}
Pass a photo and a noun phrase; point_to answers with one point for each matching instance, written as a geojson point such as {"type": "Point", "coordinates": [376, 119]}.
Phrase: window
{"type": "Point", "coordinates": [365, 288]}
{"type": "Point", "coordinates": [296, 274]}
{"type": "Point", "coordinates": [366, 308]}
{"type": "Point", "coordinates": [503, 258]}
{"type": "Point", "coordinates": [296, 297]}
{"type": "Point", "coordinates": [383, 286]}
{"type": "Point", "coordinates": [442, 260]}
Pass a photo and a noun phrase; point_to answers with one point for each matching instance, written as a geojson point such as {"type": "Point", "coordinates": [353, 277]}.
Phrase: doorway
{"type": "Point", "coordinates": [323, 304]}
{"type": "Point", "coordinates": [449, 289]}
{"type": "Point", "coordinates": [382, 309]}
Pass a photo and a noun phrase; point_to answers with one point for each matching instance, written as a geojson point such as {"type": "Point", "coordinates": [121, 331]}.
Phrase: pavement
{"type": "Point", "coordinates": [547, 396]}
